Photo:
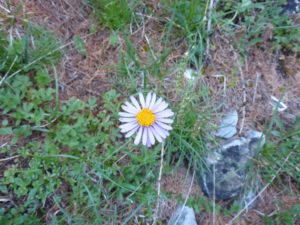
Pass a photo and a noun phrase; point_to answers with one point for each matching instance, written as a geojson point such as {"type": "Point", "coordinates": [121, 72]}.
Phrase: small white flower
{"type": "Point", "coordinates": [149, 118]}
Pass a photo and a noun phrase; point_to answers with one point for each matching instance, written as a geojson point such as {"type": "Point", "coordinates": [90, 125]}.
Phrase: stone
{"type": "Point", "coordinates": [291, 7]}
{"type": "Point", "coordinates": [227, 129]}
{"type": "Point", "coordinates": [190, 74]}
{"type": "Point", "coordinates": [256, 141]}
{"type": "Point", "coordinates": [247, 199]}
{"type": "Point", "coordinates": [225, 175]}
{"type": "Point", "coordinates": [183, 215]}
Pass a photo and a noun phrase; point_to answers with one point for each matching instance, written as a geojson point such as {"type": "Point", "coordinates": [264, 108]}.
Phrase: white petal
{"type": "Point", "coordinates": [125, 114]}
{"type": "Point", "coordinates": [162, 106]}
{"type": "Point", "coordinates": [128, 126]}
{"type": "Point", "coordinates": [135, 102]}
{"type": "Point", "coordinates": [156, 135]}
{"type": "Point", "coordinates": [166, 133]}
{"type": "Point", "coordinates": [148, 143]}
{"type": "Point", "coordinates": [165, 120]}
{"type": "Point", "coordinates": [138, 136]}
{"type": "Point", "coordinates": [163, 133]}
{"type": "Point", "coordinates": [129, 109]}
{"type": "Point", "coordinates": [130, 133]}
{"type": "Point", "coordinates": [127, 119]}
{"type": "Point", "coordinates": [142, 100]}
{"type": "Point", "coordinates": [132, 106]}
{"type": "Point", "coordinates": [152, 100]}
{"type": "Point", "coordinates": [151, 136]}
{"type": "Point", "coordinates": [145, 134]}
{"type": "Point", "coordinates": [164, 114]}
{"type": "Point", "coordinates": [156, 104]}
{"type": "Point", "coordinates": [164, 126]}
{"type": "Point", "coordinates": [148, 100]}
{"type": "Point", "coordinates": [128, 129]}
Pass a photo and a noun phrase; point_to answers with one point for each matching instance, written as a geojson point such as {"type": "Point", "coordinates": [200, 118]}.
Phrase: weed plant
{"type": "Point", "coordinates": [114, 14]}
{"type": "Point", "coordinates": [187, 16]}
{"type": "Point", "coordinates": [283, 144]}
{"type": "Point", "coordinates": [68, 156]}
{"type": "Point", "coordinates": [188, 21]}
{"type": "Point", "coordinates": [252, 19]}
{"type": "Point", "coordinates": [36, 43]}
{"type": "Point", "coordinates": [281, 158]}
{"type": "Point", "coordinates": [192, 126]}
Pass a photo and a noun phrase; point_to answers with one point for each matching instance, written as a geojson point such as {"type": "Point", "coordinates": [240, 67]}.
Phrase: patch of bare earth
{"type": "Point", "coordinates": [265, 74]}
{"type": "Point", "coordinates": [80, 75]}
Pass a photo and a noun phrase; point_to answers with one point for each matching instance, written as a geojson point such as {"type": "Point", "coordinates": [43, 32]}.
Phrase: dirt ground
{"type": "Point", "coordinates": [263, 75]}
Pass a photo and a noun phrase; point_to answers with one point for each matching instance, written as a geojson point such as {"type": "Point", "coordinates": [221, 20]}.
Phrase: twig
{"type": "Point", "coordinates": [3, 145]}
{"type": "Point", "coordinates": [224, 83]}
{"type": "Point", "coordinates": [9, 158]}
{"type": "Point", "coordinates": [186, 198]}
{"type": "Point", "coordinates": [5, 9]}
{"type": "Point", "coordinates": [143, 27]}
{"type": "Point", "coordinates": [4, 199]}
{"type": "Point", "coordinates": [163, 19]}
{"type": "Point", "coordinates": [148, 16]}
{"type": "Point", "coordinates": [11, 66]}
{"type": "Point", "coordinates": [237, 58]}
{"type": "Point", "coordinates": [45, 125]}
{"type": "Point", "coordinates": [255, 88]}
{"type": "Point", "coordinates": [210, 9]}
{"type": "Point", "coordinates": [151, 50]}
{"type": "Point", "coordinates": [140, 185]}
{"type": "Point", "coordinates": [159, 183]}
{"type": "Point", "coordinates": [76, 11]}
{"type": "Point", "coordinates": [133, 213]}
{"type": "Point", "coordinates": [56, 88]}
{"type": "Point", "coordinates": [262, 190]}
{"type": "Point", "coordinates": [214, 195]}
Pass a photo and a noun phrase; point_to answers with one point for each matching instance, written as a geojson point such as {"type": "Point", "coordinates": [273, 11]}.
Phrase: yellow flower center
{"type": "Point", "coordinates": [145, 117]}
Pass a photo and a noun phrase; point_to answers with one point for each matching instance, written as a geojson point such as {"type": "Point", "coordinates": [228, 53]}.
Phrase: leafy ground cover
{"type": "Point", "coordinates": [67, 67]}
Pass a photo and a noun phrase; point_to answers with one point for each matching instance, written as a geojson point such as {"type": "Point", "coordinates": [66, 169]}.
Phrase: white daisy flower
{"type": "Point", "coordinates": [149, 118]}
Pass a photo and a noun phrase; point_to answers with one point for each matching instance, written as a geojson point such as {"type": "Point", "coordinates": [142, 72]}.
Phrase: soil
{"type": "Point", "coordinates": [263, 74]}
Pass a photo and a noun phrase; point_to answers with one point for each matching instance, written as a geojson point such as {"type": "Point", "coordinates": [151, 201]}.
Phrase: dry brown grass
{"type": "Point", "coordinates": [80, 76]}
{"type": "Point", "coordinates": [264, 76]}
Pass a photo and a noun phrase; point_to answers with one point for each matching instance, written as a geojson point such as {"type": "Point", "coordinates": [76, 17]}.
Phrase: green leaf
{"type": "Point", "coordinates": [5, 123]}
{"type": "Point", "coordinates": [42, 78]}
{"type": "Point", "coordinates": [79, 45]}
{"type": "Point", "coordinates": [92, 103]}
{"type": "Point", "coordinates": [113, 38]}
{"type": "Point", "coordinates": [6, 131]}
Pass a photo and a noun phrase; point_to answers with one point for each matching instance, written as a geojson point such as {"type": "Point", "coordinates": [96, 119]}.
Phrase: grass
{"type": "Point", "coordinates": [189, 137]}
{"type": "Point", "coordinates": [114, 14]}
{"type": "Point", "coordinates": [61, 149]}
{"type": "Point", "coordinates": [257, 22]}
{"type": "Point", "coordinates": [65, 162]}
{"type": "Point", "coordinates": [283, 146]}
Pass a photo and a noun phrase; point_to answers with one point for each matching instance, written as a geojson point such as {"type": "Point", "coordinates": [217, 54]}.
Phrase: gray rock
{"type": "Point", "coordinates": [225, 175]}
{"type": "Point", "coordinates": [256, 141]}
{"type": "Point", "coordinates": [291, 7]}
{"type": "Point", "coordinates": [248, 198]}
{"type": "Point", "coordinates": [183, 215]}
{"type": "Point", "coordinates": [190, 74]}
{"type": "Point", "coordinates": [227, 128]}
